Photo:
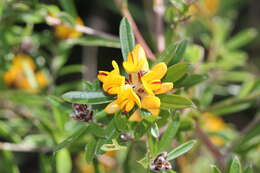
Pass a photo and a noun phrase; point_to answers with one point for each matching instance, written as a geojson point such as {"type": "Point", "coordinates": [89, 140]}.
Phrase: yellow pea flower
{"type": "Point", "coordinates": [211, 7]}
{"type": "Point", "coordinates": [136, 60]}
{"type": "Point", "coordinates": [112, 80]}
{"type": "Point", "coordinates": [139, 88]}
{"type": "Point", "coordinates": [23, 68]}
{"type": "Point", "coordinates": [66, 32]}
{"type": "Point", "coordinates": [206, 8]}
{"type": "Point", "coordinates": [213, 123]}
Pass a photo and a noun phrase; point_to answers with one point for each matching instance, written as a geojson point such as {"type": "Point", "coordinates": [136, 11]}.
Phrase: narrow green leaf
{"type": "Point", "coordinates": [86, 97]}
{"type": "Point", "coordinates": [180, 150]}
{"type": "Point", "coordinates": [190, 80]}
{"type": "Point", "coordinates": [127, 40]}
{"type": "Point", "coordinates": [249, 169]}
{"type": "Point", "coordinates": [179, 52]}
{"type": "Point", "coordinates": [75, 68]}
{"type": "Point", "coordinates": [175, 101]}
{"type": "Point", "coordinates": [155, 131]}
{"type": "Point", "coordinates": [94, 41]}
{"type": "Point", "coordinates": [63, 161]}
{"type": "Point", "coordinates": [176, 72]}
{"type": "Point", "coordinates": [247, 137]}
{"type": "Point", "coordinates": [167, 55]}
{"type": "Point", "coordinates": [121, 122]}
{"type": "Point", "coordinates": [75, 135]}
{"type": "Point", "coordinates": [215, 169]}
{"type": "Point", "coordinates": [96, 130]}
{"type": "Point", "coordinates": [69, 7]}
{"type": "Point", "coordinates": [90, 150]}
{"type": "Point", "coordinates": [169, 134]}
{"type": "Point", "coordinates": [242, 38]}
{"type": "Point", "coordinates": [235, 166]}
{"type": "Point", "coordinates": [230, 108]}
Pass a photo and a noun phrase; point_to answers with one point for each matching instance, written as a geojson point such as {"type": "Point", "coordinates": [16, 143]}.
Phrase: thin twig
{"type": "Point", "coordinates": [210, 146]}
{"type": "Point", "coordinates": [23, 148]}
{"type": "Point", "coordinates": [122, 5]}
{"type": "Point", "coordinates": [159, 28]}
{"type": "Point", "coordinates": [81, 28]}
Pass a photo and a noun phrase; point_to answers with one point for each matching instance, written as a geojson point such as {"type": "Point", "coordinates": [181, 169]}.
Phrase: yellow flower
{"type": "Point", "coordinates": [206, 8]}
{"type": "Point", "coordinates": [41, 78]}
{"type": "Point", "coordinates": [211, 7]}
{"type": "Point", "coordinates": [139, 88]}
{"type": "Point", "coordinates": [23, 68]}
{"type": "Point", "coordinates": [213, 123]}
{"type": "Point", "coordinates": [112, 80]}
{"type": "Point", "coordinates": [66, 32]}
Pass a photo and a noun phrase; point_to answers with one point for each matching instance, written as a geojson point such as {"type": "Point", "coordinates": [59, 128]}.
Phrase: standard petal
{"type": "Point", "coordinates": [152, 104]}
{"type": "Point", "coordinates": [102, 75]}
{"type": "Point", "coordinates": [165, 87]}
{"type": "Point", "coordinates": [156, 73]}
{"type": "Point", "coordinates": [136, 60]}
{"type": "Point", "coordinates": [112, 83]}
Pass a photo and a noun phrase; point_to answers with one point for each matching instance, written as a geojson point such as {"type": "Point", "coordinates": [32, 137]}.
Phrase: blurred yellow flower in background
{"type": "Point", "coordinates": [106, 162]}
{"type": "Point", "coordinates": [206, 8]}
{"type": "Point", "coordinates": [213, 123]}
{"type": "Point", "coordinates": [63, 31]}
{"type": "Point", "coordinates": [23, 75]}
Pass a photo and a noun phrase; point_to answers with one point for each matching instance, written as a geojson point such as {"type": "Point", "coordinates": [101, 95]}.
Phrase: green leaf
{"type": "Point", "coordinates": [86, 97]}
{"type": "Point", "coordinates": [249, 169]}
{"type": "Point", "coordinates": [8, 160]}
{"type": "Point", "coordinates": [113, 147]}
{"type": "Point", "coordinates": [235, 166]}
{"type": "Point", "coordinates": [167, 55]}
{"type": "Point", "coordinates": [69, 7]}
{"type": "Point", "coordinates": [179, 52]}
{"type": "Point", "coordinates": [241, 39]}
{"type": "Point", "coordinates": [127, 40]}
{"type": "Point", "coordinates": [180, 150]}
{"type": "Point", "coordinates": [121, 122]}
{"type": "Point", "coordinates": [94, 41]}
{"type": "Point", "coordinates": [169, 134]}
{"type": "Point", "coordinates": [190, 80]}
{"type": "Point", "coordinates": [75, 68]}
{"type": "Point", "coordinates": [176, 72]}
{"type": "Point", "coordinates": [215, 169]}
{"type": "Point", "coordinates": [247, 137]}
{"type": "Point", "coordinates": [75, 135]}
{"type": "Point", "coordinates": [96, 130]}
{"type": "Point", "coordinates": [155, 131]}
{"type": "Point", "coordinates": [90, 150]}
{"type": "Point", "coordinates": [63, 161]}
{"type": "Point", "coordinates": [175, 101]}
{"type": "Point", "coordinates": [230, 108]}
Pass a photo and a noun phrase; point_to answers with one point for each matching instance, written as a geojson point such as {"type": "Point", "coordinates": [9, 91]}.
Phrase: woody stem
{"type": "Point", "coordinates": [122, 5]}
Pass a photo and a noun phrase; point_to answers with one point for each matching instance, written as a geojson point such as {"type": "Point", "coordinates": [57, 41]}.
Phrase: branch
{"type": "Point", "coordinates": [159, 28]}
{"type": "Point", "coordinates": [122, 5]}
{"type": "Point", "coordinates": [23, 148]}
{"type": "Point", "coordinates": [210, 146]}
{"type": "Point", "coordinates": [81, 28]}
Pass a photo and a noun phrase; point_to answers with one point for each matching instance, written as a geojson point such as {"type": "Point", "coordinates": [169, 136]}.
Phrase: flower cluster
{"type": "Point", "coordinates": [140, 86]}
{"type": "Point", "coordinates": [23, 68]}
